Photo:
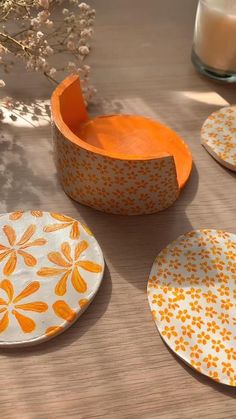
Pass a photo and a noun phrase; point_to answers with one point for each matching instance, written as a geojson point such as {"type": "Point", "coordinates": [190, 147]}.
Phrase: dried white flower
{"type": "Point", "coordinates": [49, 23]}
{"type": "Point", "coordinates": [52, 71]}
{"type": "Point", "coordinates": [83, 50]}
{"type": "Point", "coordinates": [40, 37]}
{"type": "Point", "coordinates": [71, 66]}
{"type": "Point", "coordinates": [86, 33]}
{"type": "Point", "coordinates": [84, 7]}
{"type": "Point", "coordinates": [43, 16]}
{"type": "Point", "coordinates": [44, 3]}
{"type": "Point", "coordinates": [49, 50]}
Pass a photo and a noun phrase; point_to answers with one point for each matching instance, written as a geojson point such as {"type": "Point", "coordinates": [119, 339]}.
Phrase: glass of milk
{"type": "Point", "coordinates": [214, 48]}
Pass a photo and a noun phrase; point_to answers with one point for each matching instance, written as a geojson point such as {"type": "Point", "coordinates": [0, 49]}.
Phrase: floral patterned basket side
{"type": "Point", "coordinates": [123, 164]}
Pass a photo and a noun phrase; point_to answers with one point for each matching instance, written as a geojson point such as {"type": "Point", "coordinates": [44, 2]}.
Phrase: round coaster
{"type": "Point", "coordinates": [51, 267]}
{"type": "Point", "coordinates": [218, 136]}
{"type": "Point", "coordinates": [192, 295]}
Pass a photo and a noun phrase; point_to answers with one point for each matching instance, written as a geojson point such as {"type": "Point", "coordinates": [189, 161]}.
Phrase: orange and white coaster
{"type": "Point", "coordinates": [51, 267]}
{"type": "Point", "coordinates": [192, 295]}
{"type": "Point", "coordinates": [218, 136]}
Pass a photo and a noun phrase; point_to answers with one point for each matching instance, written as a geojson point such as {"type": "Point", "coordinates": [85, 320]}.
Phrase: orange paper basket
{"type": "Point", "coordinates": [122, 164]}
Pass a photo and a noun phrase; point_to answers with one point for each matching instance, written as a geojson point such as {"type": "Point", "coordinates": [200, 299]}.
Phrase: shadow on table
{"type": "Point", "coordinates": [26, 167]}
{"type": "Point", "coordinates": [92, 314]}
{"type": "Point", "coordinates": [131, 243]}
{"type": "Point", "coordinates": [203, 379]}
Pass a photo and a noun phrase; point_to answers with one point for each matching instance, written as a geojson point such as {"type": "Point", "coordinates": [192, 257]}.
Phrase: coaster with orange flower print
{"type": "Point", "coordinates": [219, 136]}
{"type": "Point", "coordinates": [192, 295]}
{"type": "Point", "coordinates": [51, 267]}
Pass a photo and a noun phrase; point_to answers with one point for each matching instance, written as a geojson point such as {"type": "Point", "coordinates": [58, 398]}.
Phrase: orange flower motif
{"type": "Point", "coordinates": [231, 267]}
{"type": "Point", "coordinates": [205, 267]}
{"type": "Point", "coordinates": [174, 264]}
{"type": "Point", "coordinates": [154, 282]}
{"type": "Point", "coordinates": [187, 331]}
{"type": "Point", "coordinates": [197, 321]}
{"type": "Point", "coordinates": [195, 306]}
{"type": "Point", "coordinates": [172, 305]}
{"type": "Point", "coordinates": [212, 327]}
{"type": "Point", "coordinates": [166, 288]}
{"type": "Point", "coordinates": [230, 255]}
{"type": "Point", "coordinates": [11, 305]}
{"type": "Point", "coordinates": [231, 353]}
{"type": "Point", "coordinates": [193, 280]}
{"type": "Point", "coordinates": [18, 248]}
{"type": "Point", "coordinates": [211, 361]}
{"type": "Point", "coordinates": [202, 242]}
{"type": "Point", "coordinates": [225, 334]}
{"type": "Point", "coordinates": [183, 315]}
{"type": "Point", "coordinates": [226, 304]}
{"type": "Point", "coordinates": [213, 240]}
{"type": "Point", "coordinates": [194, 293]}
{"type": "Point", "coordinates": [217, 345]}
{"type": "Point", "coordinates": [203, 338]}
{"type": "Point", "coordinates": [69, 267]}
{"type": "Point", "coordinates": [210, 297]}
{"type": "Point", "coordinates": [210, 312]}
{"type": "Point", "coordinates": [191, 256]}
{"type": "Point", "coordinates": [191, 267]}
{"type": "Point", "coordinates": [164, 273]}
{"type": "Point", "coordinates": [209, 282]}
{"type": "Point", "coordinates": [63, 310]}
{"type": "Point", "coordinates": [220, 277]}
{"type": "Point", "coordinates": [223, 290]}
{"type": "Point", "coordinates": [169, 331]}
{"type": "Point", "coordinates": [176, 251]}
{"type": "Point", "coordinates": [218, 263]}
{"type": "Point", "coordinates": [158, 299]}
{"type": "Point", "coordinates": [179, 279]}
{"type": "Point", "coordinates": [216, 250]}
{"type": "Point", "coordinates": [224, 318]}
{"type": "Point", "coordinates": [166, 315]}
{"type": "Point", "coordinates": [204, 254]}
{"type": "Point", "coordinates": [227, 368]}
{"type": "Point", "coordinates": [181, 344]}
{"type": "Point", "coordinates": [230, 245]}
{"type": "Point", "coordinates": [195, 352]}
{"type": "Point", "coordinates": [178, 294]}
{"type": "Point", "coordinates": [18, 214]}
{"type": "Point", "coordinates": [65, 222]}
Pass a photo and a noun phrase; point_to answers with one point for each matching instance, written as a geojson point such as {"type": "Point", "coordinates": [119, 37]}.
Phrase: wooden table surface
{"type": "Point", "coordinates": [112, 362]}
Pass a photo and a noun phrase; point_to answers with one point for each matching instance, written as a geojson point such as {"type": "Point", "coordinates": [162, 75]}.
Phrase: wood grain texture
{"type": "Point", "coordinates": [112, 362]}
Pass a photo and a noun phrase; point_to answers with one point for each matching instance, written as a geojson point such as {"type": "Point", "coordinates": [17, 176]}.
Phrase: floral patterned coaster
{"type": "Point", "coordinates": [51, 267]}
{"type": "Point", "coordinates": [192, 295]}
{"type": "Point", "coordinates": [219, 136]}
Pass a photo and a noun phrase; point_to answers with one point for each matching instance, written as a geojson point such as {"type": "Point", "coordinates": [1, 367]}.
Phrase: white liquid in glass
{"type": "Point", "coordinates": [215, 34]}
